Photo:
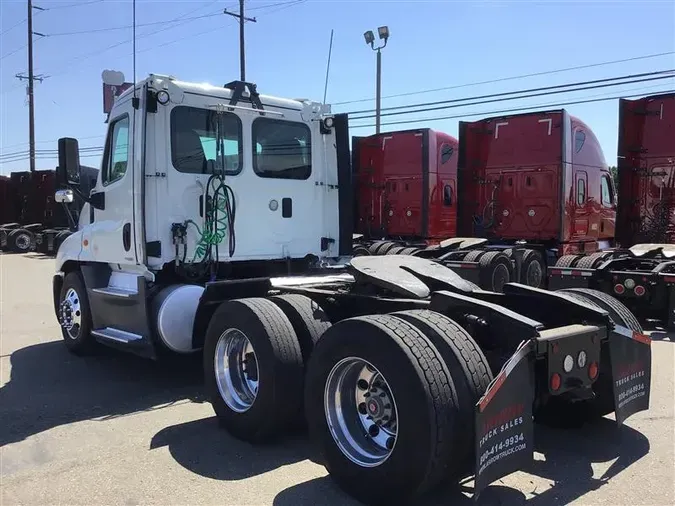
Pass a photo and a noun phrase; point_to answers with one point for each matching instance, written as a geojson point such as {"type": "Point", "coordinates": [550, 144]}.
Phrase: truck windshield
{"type": "Point", "coordinates": [194, 147]}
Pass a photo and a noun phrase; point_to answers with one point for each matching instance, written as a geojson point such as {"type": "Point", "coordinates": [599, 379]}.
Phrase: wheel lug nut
{"type": "Point", "coordinates": [362, 408]}
{"type": "Point", "coordinates": [390, 443]}
{"type": "Point", "coordinates": [362, 384]}
{"type": "Point", "coordinates": [382, 394]}
{"type": "Point", "coordinates": [387, 406]}
{"type": "Point", "coordinates": [373, 430]}
{"type": "Point", "coordinates": [367, 394]}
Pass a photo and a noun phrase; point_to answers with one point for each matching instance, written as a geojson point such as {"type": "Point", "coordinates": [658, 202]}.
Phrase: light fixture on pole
{"type": "Point", "coordinates": [383, 32]}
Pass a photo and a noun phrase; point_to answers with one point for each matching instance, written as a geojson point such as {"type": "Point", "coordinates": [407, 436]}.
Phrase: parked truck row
{"type": "Point", "coordinates": [30, 218]}
{"type": "Point", "coordinates": [221, 222]}
{"type": "Point", "coordinates": [528, 197]}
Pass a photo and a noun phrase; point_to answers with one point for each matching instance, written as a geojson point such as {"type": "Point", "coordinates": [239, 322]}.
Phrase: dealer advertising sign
{"type": "Point", "coordinates": [110, 92]}
{"type": "Point", "coordinates": [504, 426]}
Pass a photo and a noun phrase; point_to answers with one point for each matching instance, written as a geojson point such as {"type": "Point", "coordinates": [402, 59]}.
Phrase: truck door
{"type": "Point", "coordinates": [581, 203]}
{"type": "Point", "coordinates": [110, 238]}
{"type": "Point", "coordinates": [607, 208]}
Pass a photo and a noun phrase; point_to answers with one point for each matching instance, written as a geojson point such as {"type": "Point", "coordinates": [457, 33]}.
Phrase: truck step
{"type": "Point", "coordinates": [120, 336]}
{"type": "Point", "coordinates": [115, 291]}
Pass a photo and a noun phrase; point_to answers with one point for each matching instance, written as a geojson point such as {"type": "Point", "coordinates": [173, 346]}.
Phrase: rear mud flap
{"type": "Point", "coordinates": [560, 278]}
{"type": "Point", "coordinates": [504, 426]}
{"type": "Point", "coordinates": [631, 358]}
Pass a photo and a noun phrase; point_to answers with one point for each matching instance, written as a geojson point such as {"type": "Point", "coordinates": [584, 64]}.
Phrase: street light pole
{"type": "Point", "coordinates": [383, 32]}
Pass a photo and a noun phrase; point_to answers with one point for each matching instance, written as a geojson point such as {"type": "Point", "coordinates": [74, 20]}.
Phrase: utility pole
{"type": "Point", "coordinates": [31, 78]}
{"type": "Point", "coordinates": [242, 52]}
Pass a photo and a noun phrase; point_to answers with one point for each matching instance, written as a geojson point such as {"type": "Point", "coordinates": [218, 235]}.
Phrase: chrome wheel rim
{"type": "Point", "coordinates": [71, 313]}
{"type": "Point", "coordinates": [22, 242]}
{"type": "Point", "coordinates": [361, 412]}
{"type": "Point", "coordinates": [236, 367]}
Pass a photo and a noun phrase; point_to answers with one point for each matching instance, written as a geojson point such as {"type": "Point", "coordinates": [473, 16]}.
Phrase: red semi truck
{"type": "Point", "coordinates": [641, 270]}
{"type": "Point", "coordinates": [538, 182]}
{"type": "Point", "coordinates": [405, 189]}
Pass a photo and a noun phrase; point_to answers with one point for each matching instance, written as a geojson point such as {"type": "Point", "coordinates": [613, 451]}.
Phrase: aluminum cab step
{"type": "Point", "coordinates": [115, 291]}
{"type": "Point", "coordinates": [119, 336]}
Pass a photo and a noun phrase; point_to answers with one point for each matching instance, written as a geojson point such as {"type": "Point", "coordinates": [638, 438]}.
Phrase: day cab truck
{"type": "Point", "coordinates": [640, 271]}
{"type": "Point", "coordinates": [221, 223]}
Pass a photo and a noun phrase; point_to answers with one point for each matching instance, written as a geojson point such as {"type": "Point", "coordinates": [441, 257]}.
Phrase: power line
{"type": "Point", "coordinates": [13, 26]}
{"type": "Point", "coordinates": [127, 27]}
{"type": "Point", "coordinates": [506, 111]}
{"type": "Point", "coordinates": [498, 97]}
{"type": "Point", "coordinates": [78, 4]}
{"type": "Point", "coordinates": [501, 79]}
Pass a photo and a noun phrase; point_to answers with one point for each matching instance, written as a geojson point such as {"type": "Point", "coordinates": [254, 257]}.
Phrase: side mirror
{"type": "Point", "coordinates": [64, 196]}
{"type": "Point", "coordinates": [69, 161]}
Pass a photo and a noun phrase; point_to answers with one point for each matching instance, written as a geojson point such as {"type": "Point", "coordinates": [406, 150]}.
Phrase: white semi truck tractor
{"type": "Point", "coordinates": [220, 223]}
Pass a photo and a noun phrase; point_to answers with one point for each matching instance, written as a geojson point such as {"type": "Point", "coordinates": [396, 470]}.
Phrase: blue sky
{"type": "Point", "coordinates": [433, 44]}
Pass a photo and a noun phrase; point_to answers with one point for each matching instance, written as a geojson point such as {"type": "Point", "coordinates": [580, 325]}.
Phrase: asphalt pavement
{"type": "Point", "coordinates": [116, 429]}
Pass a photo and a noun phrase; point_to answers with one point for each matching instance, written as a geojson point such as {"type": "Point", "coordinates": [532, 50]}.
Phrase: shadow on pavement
{"type": "Point", "coordinates": [50, 387]}
{"type": "Point", "coordinates": [208, 450]}
{"type": "Point", "coordinates": [568, 458]}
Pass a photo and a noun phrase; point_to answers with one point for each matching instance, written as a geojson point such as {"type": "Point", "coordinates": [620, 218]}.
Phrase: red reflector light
{"type": "Point", "coordinates": [640, 290]}
{"type": "Point", "coordinates": [593, 370]}
{"type": "Point", "coordinates": [555, 381]}
{"type": "Point", "coordinates": [619, 288]}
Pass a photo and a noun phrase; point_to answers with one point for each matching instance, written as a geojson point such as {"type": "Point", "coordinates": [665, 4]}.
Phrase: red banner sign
{"type": "Point", "coordinates": [110, 92]}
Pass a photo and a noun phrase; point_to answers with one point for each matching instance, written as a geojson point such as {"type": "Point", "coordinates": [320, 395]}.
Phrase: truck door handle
{"type": "Point", "coordinates": [126, 236]}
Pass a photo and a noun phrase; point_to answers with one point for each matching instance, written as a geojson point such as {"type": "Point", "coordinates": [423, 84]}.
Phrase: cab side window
{"type": "Point", "coordinates": [116, 151]}
{"type": "Point", "coordinates": [579, 140]}
{"type": "Point", "coordinates": [606, 188]}
{"type": "Point", "coordinates": [581, 192]}
{"type": "Point", "coordinates": [446, 153]}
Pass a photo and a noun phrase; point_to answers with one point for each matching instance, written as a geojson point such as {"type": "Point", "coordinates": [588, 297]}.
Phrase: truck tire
{"type": "Point", "coordinates": [384, 248]}
{"type": "Point", "coordinates": [396, 250]}
{"type": "Point", "coordinates": [470, 372]}
{"type": "Point", "coordinates": [533, 270]}
{"type": "Point", "coordinates": [567, 260]}
{"type": "Point", "coordinates": [259, 394]}
{"type": "Point", "coordinates": [591, 261]}
{"type": "Point", "coordinates": [409, 392]}
{"type": "Point", "coordinates": [361, 251]}
{"type": "Point", "coordinates": [603, 404]}
{"type": "Point", "coordinates": [409, 251]}
{"type": "Point", "coordinates": [474, 255]}
{"type": "Point", "coordinates": [75, 312]}
{"type": "Point", "coordinates": [495, 270]}
{"type": "Point", "coordinates": [20, 240]}
{"type": "Point", "coordinates": [307, 318]}
{"type": "Point", "coordinates": [375, 246]}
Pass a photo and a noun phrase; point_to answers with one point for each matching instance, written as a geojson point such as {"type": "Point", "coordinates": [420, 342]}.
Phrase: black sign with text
{"type": "Point", "coordinates": [504, 426]}
{"type": "Point", "coordinates": [631, 356]}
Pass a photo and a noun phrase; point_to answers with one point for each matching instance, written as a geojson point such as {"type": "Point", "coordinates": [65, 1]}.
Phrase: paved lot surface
{"type": "Point", "coordinates": [114, 429]}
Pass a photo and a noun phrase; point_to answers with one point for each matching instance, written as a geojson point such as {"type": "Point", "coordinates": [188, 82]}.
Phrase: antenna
{"type": "Point", "coordinates": [135, 99]}
{"type": "Point", "coordinates": [330, 50]}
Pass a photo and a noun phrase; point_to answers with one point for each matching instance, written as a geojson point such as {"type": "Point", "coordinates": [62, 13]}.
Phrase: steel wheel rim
{"type": "Point", "coordinates": [361, 412]}
{"type": "Point", "coordinates": [236, 368]}
{"type": "Point", "coordinates": [499, 277]}
{"type": "Point", "coordinates": [71, 313]}
{"type": "Point", "coordinates": [534, 274]}
{"type": "Point", "coordinates": [22, 242]}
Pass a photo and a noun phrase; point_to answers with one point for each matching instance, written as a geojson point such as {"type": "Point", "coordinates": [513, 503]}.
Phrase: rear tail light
{"type": "Point", "coordinates": [639, 290]}
{"type": "Point", "coordinates": [568, 363]}
{"type": "Point", "coordinates": [581, 359]}
{"type": "Point", "coordinates": [593, 370]}
{"type": "Point", "coordinates": [555, 381]}
{"type": "Point", "coordinates": [618, 288]}
{"type": "Point", "coordinates": [630, 283]}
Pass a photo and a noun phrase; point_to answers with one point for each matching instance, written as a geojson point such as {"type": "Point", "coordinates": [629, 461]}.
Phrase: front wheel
{"type": "Point", "coordinates": [380, 406]}
{"type": "Point", "coordinates": [20, 240]}
{"type": "Point", "coordinates": [74, 315]}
